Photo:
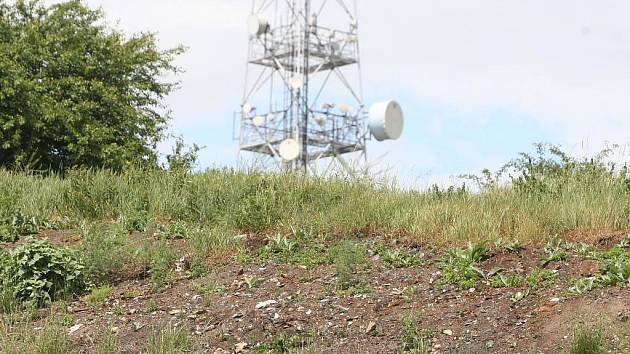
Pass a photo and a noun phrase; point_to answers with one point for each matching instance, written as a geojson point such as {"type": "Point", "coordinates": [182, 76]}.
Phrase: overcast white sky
{"type": "Point", "coordinates": [479, 79]}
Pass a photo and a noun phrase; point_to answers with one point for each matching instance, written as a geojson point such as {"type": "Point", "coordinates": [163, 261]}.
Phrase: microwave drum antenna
{"type": "Point", "coordinates": [257, 25]}
{"type": "Point", "coordinates": [386, 120]}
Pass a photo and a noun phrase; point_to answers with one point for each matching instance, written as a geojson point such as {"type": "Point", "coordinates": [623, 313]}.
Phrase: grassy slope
{"type": "Point", "coordinates": [588, 203]}
{"type": "Point", "coordinates": [209, 208]}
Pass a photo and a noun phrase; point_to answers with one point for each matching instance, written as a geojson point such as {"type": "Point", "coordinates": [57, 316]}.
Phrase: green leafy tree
{"type": "Point", "coordinates": [75, 92]}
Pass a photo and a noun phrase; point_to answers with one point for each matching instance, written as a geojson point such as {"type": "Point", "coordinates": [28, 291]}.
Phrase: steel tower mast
{"type": "Point", "coordinates": [302, 107]}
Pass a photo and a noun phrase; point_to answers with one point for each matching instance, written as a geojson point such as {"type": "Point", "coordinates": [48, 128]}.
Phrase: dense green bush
{"type": "Point", "coordinates": [38, 273]}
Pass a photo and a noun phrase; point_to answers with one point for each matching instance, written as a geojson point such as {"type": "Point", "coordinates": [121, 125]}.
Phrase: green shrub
{"type": "Point", "coordinates": [279, 248]}
{"type": "Point", "coordinates": [616, 271]}
{"type": "Point", "coordinates": [39, 273]}
{"type": "Point", "coordinates": [512, 246]}
{"type": "Point", "coordinates": [211, 287]}
{"type": "Point", "coordinates": [174, 231]}
{"type": "Point", "coordinates": [582, 286]}
{"type": "Point", "coordinates": [135, 220]}
{"type": "Point", "coordinates": [358, 287]}
{"type": "Point", "coordinates": [304, 249]}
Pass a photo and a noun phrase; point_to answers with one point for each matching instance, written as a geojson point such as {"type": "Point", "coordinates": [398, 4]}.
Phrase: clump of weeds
{"type": "Point", "coordinates": [347, 256]}
{"type": "Point", "coordinates": [513, 246]}
{"type": "Point", "coordinates": [588, 340]}
{"type": "Point", "coordinates": [414, 339]}
{"type": "Point", "coordinates": [459, 266]}
{"type": "Point", "coordinates": [399, 258]}
{"type": "Point", "coordinates": [554, 251]}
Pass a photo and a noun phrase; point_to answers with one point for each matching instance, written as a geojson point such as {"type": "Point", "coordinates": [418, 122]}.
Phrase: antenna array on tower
{"type": "Point", "coordinates": [303, 59]}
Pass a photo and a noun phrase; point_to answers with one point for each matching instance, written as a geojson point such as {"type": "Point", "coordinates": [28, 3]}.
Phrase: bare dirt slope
{"type": "Point", "coordinates": [237, 307]}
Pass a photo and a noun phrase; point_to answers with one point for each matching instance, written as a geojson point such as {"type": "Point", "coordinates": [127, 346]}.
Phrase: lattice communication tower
{"type": "Point", "coordinates": [302, 107]}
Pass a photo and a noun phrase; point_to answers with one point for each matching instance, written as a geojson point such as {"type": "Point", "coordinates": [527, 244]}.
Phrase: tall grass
{"type": "Point", "coordinates": [585, 196]}
{"type": "Point", "coordinates": [50, 339]}
{"type": "Point", "coordinates": [588, 341]}
{"type": "Point", "coordinates": [168, 340]}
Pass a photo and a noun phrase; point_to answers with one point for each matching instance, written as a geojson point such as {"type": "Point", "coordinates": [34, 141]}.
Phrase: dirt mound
{"type": "Point", "coordinates": [240, 308]}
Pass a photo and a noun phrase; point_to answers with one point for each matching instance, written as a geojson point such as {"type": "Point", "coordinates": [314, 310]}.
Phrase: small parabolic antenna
{"type": "Point", "coordinates": [289, 150]}
{"type": "Point", "coordinates": [386, 120]}
{"type": "Point", "coordinates": [258, 121]}
{"type": "Point", "coordinates": [344, 108]}
{"type": "Point", "coordinates": [247, 108]}
{"type": "Point", "coordinates": [296, 82]}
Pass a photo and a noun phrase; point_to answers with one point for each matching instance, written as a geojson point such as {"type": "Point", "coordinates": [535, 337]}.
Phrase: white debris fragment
{"type": "Point", "coordinates": [75, 328]}
{"type": "Point", "coordinates": [262, 305]}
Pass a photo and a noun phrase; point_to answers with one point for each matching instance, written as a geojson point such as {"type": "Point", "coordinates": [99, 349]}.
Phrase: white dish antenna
{"type": "Point", "coordinates": [289, 150]}
{"type": "Point", "coordinates": [257, 25]}
{"type": "Point", "coordinates": [344, 108]}
{"type": "Point", "coordinates": [258, 121]}
{"type": "Point", "coordinates": [247, 108]}
{"type": "Point", "coordinates": [296, 82]}
{"type": "Point", "coordinates": [386, 120]}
